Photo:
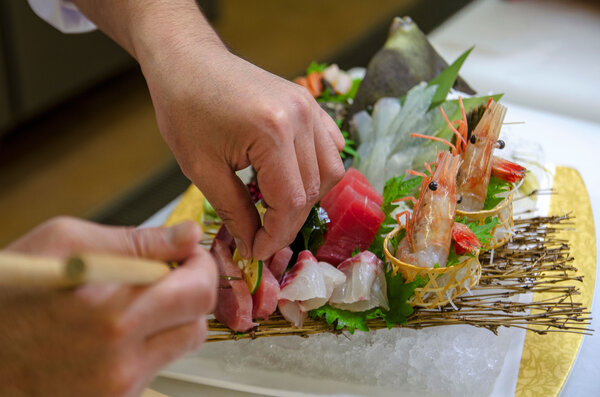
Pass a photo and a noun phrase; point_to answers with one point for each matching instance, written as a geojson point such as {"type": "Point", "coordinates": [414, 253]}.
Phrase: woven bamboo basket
{"type": "Point", "coordinates": [503, 231]}
{"type": "Point", "coordinates": [443, 283]}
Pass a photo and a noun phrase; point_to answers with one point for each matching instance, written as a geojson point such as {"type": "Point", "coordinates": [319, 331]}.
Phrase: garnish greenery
{"type": "Point", "coordinates": [349, 145]}
{"type": "Point", "coordinates": [482, 232]}
{"type": "Point", "coordinates": [327, 96]}
{"type": "Point", "coordinates": [453, 257]}
{"type": "Point", "coordinates": [394, 189]}
{"type": "Point", "coordinates": [314, 228]}
{"type": "Point", "coordinates": [342, 318]}
{"type": "Point", "coordinates": [398, 293]}
{"type": "Point", "coordinates": [445, 80]}
{"type": "Point", "coordinates": [495, 187]}
{"type": "Point", "coordinates": [315, 67]}
{"type": "Point", "coordinates": [209, 212]}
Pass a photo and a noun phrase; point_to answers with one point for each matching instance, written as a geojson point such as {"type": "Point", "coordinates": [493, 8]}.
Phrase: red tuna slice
{"type": "Point", "coordinates": [348, 195]}
{"type": "Point", "coordinates": [234, 305]}
{"type": "Point", "coordinates": [279, 262]}
{"type": "Point", "coordinates": [264, 300]}
{"type": "Point", "coordinates": [357, 180]}
{"type": "Point", "coordinates": [355, 227]}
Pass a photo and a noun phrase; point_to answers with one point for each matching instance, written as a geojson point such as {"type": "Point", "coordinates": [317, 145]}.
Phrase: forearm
{"type": "Point", "coordinates": [152, 30]}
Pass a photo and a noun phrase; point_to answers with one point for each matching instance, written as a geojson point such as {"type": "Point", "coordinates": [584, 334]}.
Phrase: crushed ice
{"type": "Point", "coordinates": [456, 360]}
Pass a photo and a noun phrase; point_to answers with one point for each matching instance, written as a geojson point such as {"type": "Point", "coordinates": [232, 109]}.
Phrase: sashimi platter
{"type": "Point", "coordinates": [438, 255]}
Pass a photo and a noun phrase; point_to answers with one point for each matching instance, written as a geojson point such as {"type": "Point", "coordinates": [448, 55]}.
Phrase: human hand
{"type": "Point", "coordinates": [220, 114]}
{"type": "Point", "coordinates": [104, 340]}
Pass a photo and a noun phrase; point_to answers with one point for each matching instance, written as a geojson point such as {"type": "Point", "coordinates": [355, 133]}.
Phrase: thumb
{"type": "Point", "coordinates": [231, 200]}
{"type": "Point", "coordinates": [64, 235]}
{"type": "Point", "coordinates": [174, 243]}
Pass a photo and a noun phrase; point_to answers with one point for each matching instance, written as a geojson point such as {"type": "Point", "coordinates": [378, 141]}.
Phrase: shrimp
{"type": "Point", "coordinates": [476, 151]}
{"type": "Point", "coordinates": [474, 174]}
{"type": "Point", "coordinates": [429, 229]}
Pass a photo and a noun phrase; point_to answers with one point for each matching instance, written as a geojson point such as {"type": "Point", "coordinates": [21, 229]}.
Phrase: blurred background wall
{"type": "Point", "coordinates": [77, 128]}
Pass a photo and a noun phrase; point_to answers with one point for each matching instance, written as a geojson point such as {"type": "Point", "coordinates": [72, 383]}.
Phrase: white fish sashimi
{"type": "Point", "coordinates": [309, 285]}
{"type": "Point", "coordinates": [292, 312]}
{"type": "Point", "coordinates": [385, 146]}
{"type": "Point", "coordinates": [365, 286]}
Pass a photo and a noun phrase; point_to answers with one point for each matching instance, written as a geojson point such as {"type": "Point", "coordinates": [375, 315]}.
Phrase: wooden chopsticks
{"type": "Point", "coordinates": [26, 270]}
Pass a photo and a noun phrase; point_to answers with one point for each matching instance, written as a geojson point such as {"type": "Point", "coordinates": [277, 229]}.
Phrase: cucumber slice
{"type": "Point", "coordinates": [251, 271]}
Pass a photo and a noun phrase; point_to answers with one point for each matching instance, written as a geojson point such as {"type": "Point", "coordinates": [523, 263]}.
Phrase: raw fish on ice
{"type": "Point", "coordinates": [365, 286]}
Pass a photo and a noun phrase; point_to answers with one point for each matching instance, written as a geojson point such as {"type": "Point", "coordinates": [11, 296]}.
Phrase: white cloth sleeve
{"type": "Point", "coordinates": [63, 15]}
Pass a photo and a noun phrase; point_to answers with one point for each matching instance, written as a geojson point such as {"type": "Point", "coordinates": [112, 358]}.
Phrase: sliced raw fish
{"type": "Point", "coordinates": [234, 305]}
{"type": "Point", "coordinates": [355, 228]}
{"type": "Point", "coordinates": [358, 182]}
{"type": "Point", "coordinates": [264, 300]}
{"type": "Point", "coordinates": [310, 283]}
{"type": "Point", "coordinates": [279, 262]}
{"type": "Point", "coordinates": [292, 312]}
{"type": "Point", "coordinates": [365, 286]}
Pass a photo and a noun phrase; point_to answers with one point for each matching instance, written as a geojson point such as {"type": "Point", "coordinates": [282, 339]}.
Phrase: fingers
{"type": "Point", "coordinates": [331, 168]}
{"type": "Point", "coordinates": [308, 165]}
{"type": "Point", "coordinates": [64, 235]}
{"type": "Point", "coordinates": [230, 199]}
{"type": "Point", "coordinates": [332, 130]}
{"type": "Point", "coordinates": [320, 167]}
{"type": "Point", "coordinates": [168, 244]}
{"type": "Point", "coordinates": [166, 346]}
{"type": "Point", "coordinates": [186, 294]}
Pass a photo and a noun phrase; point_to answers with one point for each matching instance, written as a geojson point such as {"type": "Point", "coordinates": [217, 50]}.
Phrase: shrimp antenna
{"type": "Point", "coordinates": [455, 131]}
{"type": "Point", "coordinates": [428, 167]}
{"type": "Point", "coordinates": [490, 99]}
{"type": "Point", "coordinates": [464, 132]}
{"type": "Point", "coordinates": [409, 198]}
{"type": "Point", "coordinates": [435, 138]}
{"type": "Point", "coordinates": [416, 173]}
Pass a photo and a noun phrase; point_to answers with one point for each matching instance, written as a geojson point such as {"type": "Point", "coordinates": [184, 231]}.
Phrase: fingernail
{"type": "Point", "coordinates": [241, 247]}
{"type": "Point", "coordinates": [179, 234]}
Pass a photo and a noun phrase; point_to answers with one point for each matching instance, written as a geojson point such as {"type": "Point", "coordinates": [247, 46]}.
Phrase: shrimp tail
{"type": "Point", "coordinates": [507, 170]}
{"type": "Point", "coordinates": [464, 239]}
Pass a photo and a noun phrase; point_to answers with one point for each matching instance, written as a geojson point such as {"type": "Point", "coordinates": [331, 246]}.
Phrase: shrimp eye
{"type": "Point", "coordinates": [501, 144]}
{"type": "Point", "coordinates": [433, 185]}
{"type": "Point", "coordinates": [459, 199]}
{"type": "Point", "coordinates": [473, 139]}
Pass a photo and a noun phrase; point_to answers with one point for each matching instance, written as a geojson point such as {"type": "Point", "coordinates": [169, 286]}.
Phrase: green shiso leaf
{"type": "Point", "coordinates": [495, 187]}
{"type": "Point", "coordinates": [453, 257]}
{"type": "Point", "coordinates": [445, 80]}
{"type": "Point", "coordinates": [342, 318]}
{"type": "Point", "coordinates": [482, 232]}
{"type": "Point", "coordinates": [394, 189]}
{"type": "Point", "coordinates": [398, 294]}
